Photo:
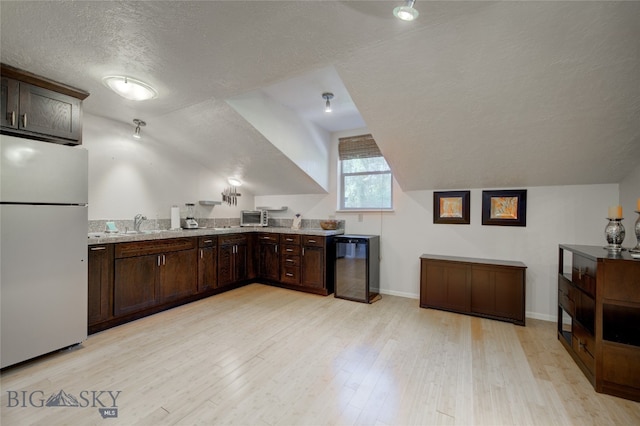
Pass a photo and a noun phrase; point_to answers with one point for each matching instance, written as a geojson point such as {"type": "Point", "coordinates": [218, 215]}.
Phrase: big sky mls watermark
{"type": "Point", "coordinates": [106, 401]}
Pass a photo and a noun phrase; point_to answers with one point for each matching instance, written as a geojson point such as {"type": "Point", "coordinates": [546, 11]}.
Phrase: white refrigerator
{"type": "Point", "coordinates": [43, 248]}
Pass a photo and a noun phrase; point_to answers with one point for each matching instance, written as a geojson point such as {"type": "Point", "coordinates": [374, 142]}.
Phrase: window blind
{"type": "Point", "coordinates": [363, 146]}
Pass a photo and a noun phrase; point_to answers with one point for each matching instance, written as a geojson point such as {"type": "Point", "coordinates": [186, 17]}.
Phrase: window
{"type": "Point", "coordinates": [366, 181]}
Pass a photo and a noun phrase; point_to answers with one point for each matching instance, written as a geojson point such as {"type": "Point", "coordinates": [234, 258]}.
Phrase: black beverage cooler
{"type": "Point", "coordinates": [357, 267]}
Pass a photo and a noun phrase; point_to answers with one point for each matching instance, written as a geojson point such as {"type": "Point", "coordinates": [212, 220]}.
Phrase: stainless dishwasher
{"type": "Point", "coordinates": [357, 267]}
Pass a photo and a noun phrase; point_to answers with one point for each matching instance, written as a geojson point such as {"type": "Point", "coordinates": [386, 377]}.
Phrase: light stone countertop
{"type": "Point", "coordinates": [106, 238]}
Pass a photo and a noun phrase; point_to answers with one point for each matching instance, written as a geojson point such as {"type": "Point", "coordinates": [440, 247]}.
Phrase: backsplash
{"type": "Point", "coordinates": [164, 224]}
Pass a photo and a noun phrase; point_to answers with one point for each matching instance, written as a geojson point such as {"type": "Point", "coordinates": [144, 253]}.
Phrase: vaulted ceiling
{"type": "Point", "coordinates": [470, 95]}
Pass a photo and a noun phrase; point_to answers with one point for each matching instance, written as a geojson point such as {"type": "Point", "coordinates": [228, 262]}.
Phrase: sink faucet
{"type": "Point", "coordinates": [137, 221]}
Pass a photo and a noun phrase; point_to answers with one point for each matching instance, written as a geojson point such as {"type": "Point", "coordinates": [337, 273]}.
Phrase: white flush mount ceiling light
{"type": "Point", "coordinates": [406, 12]}
{"type": "Point", "coordinates": [130, 88]}
{"type": "Point", "coordinates": [139, 123]}
{"type": "Point", "coordinates": [234, 181]}
{"type": "Point", "coordinates": [327, 96]}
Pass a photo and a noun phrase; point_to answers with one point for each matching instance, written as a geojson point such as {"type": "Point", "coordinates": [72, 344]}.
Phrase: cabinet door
{"type": "Point", "coordinates": [269, 261]}
{"type": "Point", "coordinates": [483, 291]}
{"type": "Point", "coordinates": [178, 277]}
{"type": "Point", "coordinates": [207, 268]}
{"type": "Point", "coordinates": [447, 286]}
{"type": "Point", "coordinates": [50, 113]}
{"type": "Point", "coordinates": [9, 103]}
{"type": "Point", "coordinates": [225, 265]}
{"type": "Point", "coordinates": [135, 283]}
{"type": "Point", "coordinates": [509, 288]}
{"type": "Point", "coordinates": [100, 282]}
{"type": "Point", "coordinates": [497, 292]}
{"type": "Point", "coordinates": [312, 267]}
{"type": "Point", "coordinates": [240, 263]}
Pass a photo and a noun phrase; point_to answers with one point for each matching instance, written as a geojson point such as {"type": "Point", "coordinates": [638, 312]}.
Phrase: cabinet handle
{"type": "Point", "coordinates": [208, 241]}
{"type": "Point", "coordinates": [289, 260]}
{"type": "Point", "coordinates": [24, 120]}
{"type": "Point", "coordinates": [288, 239]}
{"type": "Point", "coordinates": [98, 248]}
{"type": "Point", "coordinates": [312, 241]}
{"type": "Point", "coordinates": [289, 274]}
{"type": "Point", "coordinates": [289, 249]}
{"type": "Point", "coordinates": [200, 253]}
{"type": "Point", "coordinates": [276, 248]}
{"type": "Point", "coordinates": [158, 260]}
{"type": "Point", "coordinates": [303, 251]}
{"type": "Point", "coordinates": [164, 259]}
{"type": "Point", "coordinates": [12, 118]}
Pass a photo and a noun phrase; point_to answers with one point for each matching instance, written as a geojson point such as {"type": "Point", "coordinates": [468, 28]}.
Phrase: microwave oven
{"type": "Point", "coordinates": [254, 218]}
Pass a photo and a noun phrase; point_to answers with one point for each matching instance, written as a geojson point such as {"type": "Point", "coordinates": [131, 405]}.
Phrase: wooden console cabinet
{"type": "Point", "coordinates": [599, 316]}
{"type": "Point", "coordinates": [482, 287]}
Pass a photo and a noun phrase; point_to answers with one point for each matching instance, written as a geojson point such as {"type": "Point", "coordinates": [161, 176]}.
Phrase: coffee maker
{"type": "Point", "coordinates": [190, 221]}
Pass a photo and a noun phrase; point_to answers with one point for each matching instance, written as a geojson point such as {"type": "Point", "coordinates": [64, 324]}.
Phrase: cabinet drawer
{"type": "Point", "coordinates": [310, 240]}
{"type": "Point", "coordinates": [209, 241]}
{"type": "Point", "coordinates": [272, 238]}
{"type": "Point", "coordinates": [290, 250]}
{"type": "Point", "coordinates": [583, 344]}
{"type": "Point", "coordinates": [622, 281]}
{"type": "Point", "coordinates": [292, 239]}
{"type": "Point", "coordinates": [224, 240]}
{"type": "Point", "coordinates": [566, 296]}
{"type": "Point", "coordinates": [290, 275]}
{"type": "Point", "coordinates": [142, 248]}
{"type": "Point", "coordinates": [290, 260]}
{"type": "Point", "coordinates": [583, 274]}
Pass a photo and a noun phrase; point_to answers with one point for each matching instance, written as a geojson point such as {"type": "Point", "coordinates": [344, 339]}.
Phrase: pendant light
{"type": "Point", "coordinates": [327, 96]}
{"type": "Point", "coordinates": [406, 12]}
{"type": "Point", "coordinates": [139, 123]}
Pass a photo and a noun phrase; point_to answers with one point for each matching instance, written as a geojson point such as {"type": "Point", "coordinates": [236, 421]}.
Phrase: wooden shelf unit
{"type": "Point", "coordinates": [599, 316]}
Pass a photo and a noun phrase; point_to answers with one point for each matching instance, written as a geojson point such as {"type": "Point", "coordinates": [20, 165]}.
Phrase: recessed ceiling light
{"type": "Point", "coordinates": [130, 88]}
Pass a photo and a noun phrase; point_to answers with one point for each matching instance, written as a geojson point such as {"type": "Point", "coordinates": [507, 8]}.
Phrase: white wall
{"type": "Point", "coordinates": [129, 176]}
{"type": "Point", "coordinates": [555, 215]}
{"type": "Point", "coordinates": [305, 143]}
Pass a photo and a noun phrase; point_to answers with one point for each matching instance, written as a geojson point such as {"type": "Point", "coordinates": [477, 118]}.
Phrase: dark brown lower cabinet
{"type": "Point", "coordinates": [100, 282]}
{"type": "Point", "coordinates": [233, 263]}
{"type": "Point", "coordinates": [130, 280]}
{"type": "Point", "coordinates": [269, 256]}
{"type": "Point", "coordinates": [135, 283]}
{"type": "Point", "coordinates": [149, 273]}
{"type": "Point", "coordinates": [482, 287]}
{"type": "Point", "coordinates": [207, 263]}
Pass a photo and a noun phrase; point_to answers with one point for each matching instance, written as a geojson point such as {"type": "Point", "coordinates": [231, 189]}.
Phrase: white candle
{"type": "Point", "coordinates": [615, 212]}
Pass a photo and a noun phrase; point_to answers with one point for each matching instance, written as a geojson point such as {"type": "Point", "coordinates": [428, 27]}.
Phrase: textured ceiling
{"type": "Point", "coordinates": [472, 94]}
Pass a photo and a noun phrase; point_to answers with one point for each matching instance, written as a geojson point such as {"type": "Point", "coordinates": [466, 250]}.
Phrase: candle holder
{"type": "Point", "coordinates": [614, 232]}
{"type": "Point", "coordinates": [636, 249]}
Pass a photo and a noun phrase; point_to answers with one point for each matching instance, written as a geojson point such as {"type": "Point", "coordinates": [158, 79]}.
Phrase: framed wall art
{"type": "Point", "coordinates": [505, 208]}
{"type": "Point", "coordinates": [451, 207]}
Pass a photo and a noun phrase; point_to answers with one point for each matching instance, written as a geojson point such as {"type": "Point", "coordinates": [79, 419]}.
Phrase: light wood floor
{"type": "Point", "coordinates": [267, 356]}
